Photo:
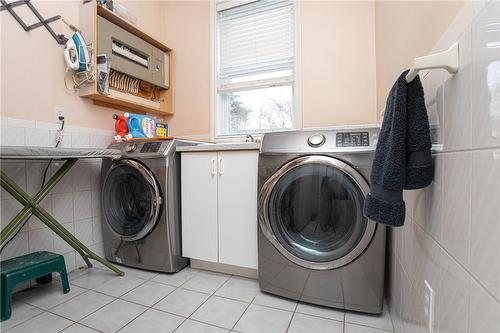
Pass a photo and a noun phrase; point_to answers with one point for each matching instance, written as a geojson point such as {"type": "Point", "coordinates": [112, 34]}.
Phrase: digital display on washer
{"type": "Point", "coordinates": [353, 139]}
{"type": "Point", "coordinates": [151, 147]}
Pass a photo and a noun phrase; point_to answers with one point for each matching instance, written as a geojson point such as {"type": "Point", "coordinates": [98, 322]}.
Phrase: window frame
{"type": "Point", "coordinates": [217, 116]}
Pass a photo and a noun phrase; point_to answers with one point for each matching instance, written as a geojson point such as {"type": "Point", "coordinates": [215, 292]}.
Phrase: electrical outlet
{"type": "Point", "coordinates": [429, 306]}
{"type": "Point", "coordinates": [59, 112]}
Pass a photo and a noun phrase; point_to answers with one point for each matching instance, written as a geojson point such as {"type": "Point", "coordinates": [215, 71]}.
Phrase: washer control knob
{"type": "Point", "coordinates": [130, 148]}
{"type": "Point", "coordinates": [316, 140]}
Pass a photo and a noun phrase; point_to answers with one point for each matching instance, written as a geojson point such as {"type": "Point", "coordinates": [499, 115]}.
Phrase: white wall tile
{"type": "Point", "coordinates": [484, 313]}
{"type": "Point", "coordinates": [486, 78]}
{"type": "Point", "coordinates": [15, 171]}
{"type": "Point", "coordinates": [41, 240]}
{"type": "Point", "coordinates": [12, 136]}
{"type": "Point", "coordinates": [62, 207]}
{"type": "Point", "coordinates": [457, 131]}
{"type": "Point", "coordinates": [454, 297]}
{"type": "Point", "coordinates": [83, 231]}
{"type": "Point", "coordinates": [80, 140]}
{"type": "Point", "coordinates": [97, 230]}
{"type": "Point", "coordinates": [17, 247]}
{"type": "Point", "coordinates": [82, 202]}
{"type": "Point", "coordinates": [81, 176]}
{"type": "Point", "coordinates": [8, 209]}
{"type": "Point", "coordinates": [456, 222]}
{"type": "Point", "coordinates": [37, 137]}
{"type": "Point", "coordinates": [96, 203]}
{"type": "Point", "coordinates": [71, 199]}
{"type": "Point", "coordinates": [485, 229]}
{"type": "Point", "coordinates": [13, 122]}
{"type": "Point", "coordinates": [434, 201]}
{"type": "Point", "coordinates": [65, 185]}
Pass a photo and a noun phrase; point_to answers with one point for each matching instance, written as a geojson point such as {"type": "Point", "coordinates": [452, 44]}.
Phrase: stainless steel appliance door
{"type": "Point", "coordinates": [131, 200]}
{"type": "Point", "coordinates": [311, 210]}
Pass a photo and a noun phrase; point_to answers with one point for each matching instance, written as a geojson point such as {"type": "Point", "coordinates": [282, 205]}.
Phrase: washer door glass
{"type": "Point", "coordinates": [315, 211]}
{"type": "Point", "coordinates": [130, 200]}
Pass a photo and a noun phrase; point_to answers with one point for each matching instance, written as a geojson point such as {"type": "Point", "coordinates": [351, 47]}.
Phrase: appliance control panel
{"type": "Point", "coordinates": [142, 149]}
{"type": "Point", "coordinates": [150, 147]}
{"type": "Point", "coordinates": [328, 140]}
{"type": "Point", "coordinates": [352, 139]}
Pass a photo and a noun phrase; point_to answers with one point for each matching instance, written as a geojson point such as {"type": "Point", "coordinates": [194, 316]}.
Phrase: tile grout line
{"type": "Point", "coordinates": [202, 302]}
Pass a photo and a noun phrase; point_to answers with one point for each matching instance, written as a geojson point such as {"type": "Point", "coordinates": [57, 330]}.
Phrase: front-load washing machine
{"type": "Point", "coordinates": [314, 243]}
{"type": "Point", "coordinates": [141, 206]}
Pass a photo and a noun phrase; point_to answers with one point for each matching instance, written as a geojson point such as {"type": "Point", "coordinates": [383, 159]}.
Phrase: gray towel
{"type": "Point", "coordinates": [403, 157]}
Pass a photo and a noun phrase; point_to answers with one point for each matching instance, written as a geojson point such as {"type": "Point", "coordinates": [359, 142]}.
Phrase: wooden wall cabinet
{"type": "Point", "coordinates": [119, 100]}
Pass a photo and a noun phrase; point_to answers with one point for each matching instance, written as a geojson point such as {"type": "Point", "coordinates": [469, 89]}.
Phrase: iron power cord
{"type": "Point", "coordinates": [41, 186]}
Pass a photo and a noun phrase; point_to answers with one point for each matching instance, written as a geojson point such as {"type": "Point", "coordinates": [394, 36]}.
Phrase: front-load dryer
{"type": "Point", "coordinates": [141, 206]}
{"type": "Point", "coordinates": [314, 243]}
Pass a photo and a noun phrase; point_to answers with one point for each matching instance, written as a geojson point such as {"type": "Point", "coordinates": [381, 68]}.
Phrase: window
{"type": "Point", "coordinates": [255, 67]}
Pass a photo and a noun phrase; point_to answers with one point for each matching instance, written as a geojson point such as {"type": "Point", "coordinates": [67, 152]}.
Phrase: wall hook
{"type": "Point", "coordinates": [447, 60]}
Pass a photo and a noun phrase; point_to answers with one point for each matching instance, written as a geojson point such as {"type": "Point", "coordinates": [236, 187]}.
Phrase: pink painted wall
{"type": "Point", "coordinates": [32, 65]}
{"type": "Point", "coordinates": [350, 54]}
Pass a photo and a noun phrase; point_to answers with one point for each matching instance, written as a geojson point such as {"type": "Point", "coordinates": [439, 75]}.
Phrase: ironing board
{"type": "Point", "coordinates": [32, 204]}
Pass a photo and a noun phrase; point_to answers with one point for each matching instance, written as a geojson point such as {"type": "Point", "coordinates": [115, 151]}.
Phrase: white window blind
{"type": "Point", "coordinates": [256, 37]}
{"type": "Point", "coordinates": [255, 67]}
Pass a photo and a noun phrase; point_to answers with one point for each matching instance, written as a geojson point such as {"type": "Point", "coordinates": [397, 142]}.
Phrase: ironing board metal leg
{"type": "Point", "coordinates": [31, 205]}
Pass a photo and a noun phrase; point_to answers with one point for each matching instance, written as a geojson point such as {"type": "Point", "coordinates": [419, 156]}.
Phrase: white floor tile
{"type": "Point", "coordinates": [382, 321]}
{"type": "Point", "coordinates": [148, 293]}
{"type": "Point", "coordinates": [77, 328]}
{"type": "Point", "coordinates": [48, 296]}
{"type": "Point", "coordinates": [82, 305]}
{"type": "Point", "coordinates": [353, 328]}
{"type": "Point", "coordinates": [191, 326]}
{"type": "Point", "coordinates": [138, 273]}
{"type": "Point", "coordinates": [239, 288]}
{"type": "Point", "coordinates": [113, 316]}
{"type": "Point", "coordinates": [94, 278]}
{"type": "Point", "coordinates": [21, 312]}
{"type": "Point", "coordinates": [263, 319]}
{"type": "Point", "coordinates": [119, 285]}
{"type": "Point", "coordinates": [44, 323]}
{"type": "Point", "coordinates": [320, 311]}
{"type": "Point", "coordinates": [153, 321]}
{"type": "Point", "coordinates": [302, 323]}
{"type": "Point", "coordinates": [220, 312]}
{"type": "Point", "coordinates": [206, 282]}
{"type": "Point", "coordinates": [176, 279]}
{"type": "Point", "coordinates": [182, 302]}
{"type": "Point", "coordinates": [275, 302]}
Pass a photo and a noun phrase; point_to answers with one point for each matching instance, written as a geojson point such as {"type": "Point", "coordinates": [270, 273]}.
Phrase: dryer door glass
{"type": "Point", "coordinates": [315, 211]}
{"type": "Point", "coordinates": [130, 200]}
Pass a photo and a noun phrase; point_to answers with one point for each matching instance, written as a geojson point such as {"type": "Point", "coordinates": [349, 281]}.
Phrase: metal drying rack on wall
{"type": "Point", "coordinates": [60, 39]}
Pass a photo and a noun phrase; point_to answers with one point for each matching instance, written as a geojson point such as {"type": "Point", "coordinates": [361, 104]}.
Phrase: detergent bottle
{"type": "Point", "coordinates": [121, 126]}
{"type": "Point", "coordinates": [141, 126]}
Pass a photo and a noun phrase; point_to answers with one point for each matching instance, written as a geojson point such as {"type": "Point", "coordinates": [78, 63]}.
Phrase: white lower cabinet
{"type": "Point", "coordinates": [219, 207]}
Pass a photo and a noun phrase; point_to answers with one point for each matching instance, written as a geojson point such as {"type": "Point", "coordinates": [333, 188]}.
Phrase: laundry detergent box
{"type": "Point", "coordinates": [141, 126]}
{"type": "Point", "coordinates": [161, 130]}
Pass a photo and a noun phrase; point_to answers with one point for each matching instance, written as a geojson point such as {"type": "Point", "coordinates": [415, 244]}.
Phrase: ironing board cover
{"type": "Point", "coordinates": [43, 153]}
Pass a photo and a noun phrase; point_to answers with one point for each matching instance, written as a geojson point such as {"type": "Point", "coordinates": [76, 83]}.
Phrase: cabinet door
{"type": "Point", "coordinates": [237, 208]}
{"type": "Point", "coordinates": [199, 205]}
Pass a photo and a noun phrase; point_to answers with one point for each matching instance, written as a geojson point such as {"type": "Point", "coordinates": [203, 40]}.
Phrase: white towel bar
{"type": "Point", "coordinates": [447, 59]}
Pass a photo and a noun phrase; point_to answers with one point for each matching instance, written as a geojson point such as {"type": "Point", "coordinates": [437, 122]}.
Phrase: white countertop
{"type": "Point", "coordinates": [221, 147]}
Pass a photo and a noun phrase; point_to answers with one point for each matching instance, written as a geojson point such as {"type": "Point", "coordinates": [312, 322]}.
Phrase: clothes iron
{"type": "Point", "coordinates": [76, 54]}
